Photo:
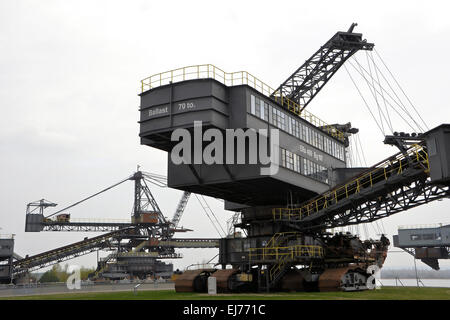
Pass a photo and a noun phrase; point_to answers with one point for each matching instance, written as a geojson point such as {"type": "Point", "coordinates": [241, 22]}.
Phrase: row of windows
{"type": "Point", "coordinates": [260, 108]}
{"type": "Point", "coordinates": [426, 236]}
{"type": "Point", "coordinates": [278, 118]}
{"type": "Point", "coordinates": [304, 166]}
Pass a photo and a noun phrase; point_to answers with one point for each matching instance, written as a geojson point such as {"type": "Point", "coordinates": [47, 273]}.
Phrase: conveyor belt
{"type": "Point", "coordinates": [101, 226]}
{"type": "Point", "coordinates": [395, 184]}
{"type": "Point", "coordinates": [190, 243]}
{"type": "Point", "coordinates": [68, 252]}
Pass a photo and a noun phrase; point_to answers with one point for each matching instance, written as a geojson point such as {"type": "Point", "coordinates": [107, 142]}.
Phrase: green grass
{"type": "Point", "coordinates": [386, 293]}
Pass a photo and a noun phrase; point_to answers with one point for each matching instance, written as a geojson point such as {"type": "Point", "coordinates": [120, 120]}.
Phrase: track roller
{"type": "Point", "coordinates": [193, 281]}
{"type": "Point", "coordinates": [351, 278]}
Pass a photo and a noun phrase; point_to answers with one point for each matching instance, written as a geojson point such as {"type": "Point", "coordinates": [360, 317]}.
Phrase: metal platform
{"type": "Point", "coordinates": [427, 243]}
{"type": "Point", "coordinates": [314, 146]}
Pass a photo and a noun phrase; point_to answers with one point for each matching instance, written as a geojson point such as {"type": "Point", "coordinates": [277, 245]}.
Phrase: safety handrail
{"type": "Point", "coordinates": [382, 171]}
{"type": "Point", "coordinates": [276, 269]}
{"type": "Point", "coordinates": [273, 242]}
{"type": "Point", "coordinates": [87, 220]}
{"type": "Point", "coordinates": [149, 254]}
{"type": "Point", "coordinates": [422, 226]}
{"type": "Point", "coordinates": [292, 252]}
{"type": "Point", "coordinates": [209, 71]}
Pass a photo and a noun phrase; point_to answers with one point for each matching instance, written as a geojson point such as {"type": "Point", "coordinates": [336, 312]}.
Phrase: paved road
{"type": "Point", "coordinates": [62, 288]}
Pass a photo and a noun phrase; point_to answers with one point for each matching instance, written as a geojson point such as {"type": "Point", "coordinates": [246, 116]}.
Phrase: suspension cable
{"type": "Point", "coordinates": [373, 93]}
{"type": "Point", "coordinates": [381, 59]}
{"type": "Point", "coordinates": [365, 102]}
{"type": "Point", "coordinates": [358, 140]}
{"type": "Point", "coordinates": [209, 217]}
{"type": "Point", "coordinates": [382, 94]}
{"type": "Point", "coordinates": [393, 108]}
{"type": "Point", "coordinates": [85, 199]}
{"type": "Point", "coordinates": [397, 101]}
{"type": "Point", "coordinates": [214, 215]}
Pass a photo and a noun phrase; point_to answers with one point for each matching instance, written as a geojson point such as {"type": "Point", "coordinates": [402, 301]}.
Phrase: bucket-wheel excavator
{"type": "Point", "coordinates": [288, 215]}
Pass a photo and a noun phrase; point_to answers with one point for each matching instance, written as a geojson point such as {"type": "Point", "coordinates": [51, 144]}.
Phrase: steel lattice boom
{"type": "Point", "coordinates": [399, 183]}
{"type": "Point", "coordinates": [302, 86]}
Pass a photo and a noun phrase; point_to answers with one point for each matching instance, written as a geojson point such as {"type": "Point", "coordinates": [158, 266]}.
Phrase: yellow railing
{"type": "Point", "coordinates": [278, 267]}
{"type": "Point", "coordinates": [289, 252]}
{"type": "Point", "coordinates": [383, 171]}
{"type": "Point", "coordinates": [295, 108]}
{"type": "Point", "coordinates": [274, 241]}
{"type": "Point", "coordinates": [205, 71]}
{"type": "Point", "coordinates": [209, 71]}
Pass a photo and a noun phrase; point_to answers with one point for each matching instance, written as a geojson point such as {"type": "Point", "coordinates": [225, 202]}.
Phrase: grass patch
{"type": "Point", "coordinates": [385, 293]}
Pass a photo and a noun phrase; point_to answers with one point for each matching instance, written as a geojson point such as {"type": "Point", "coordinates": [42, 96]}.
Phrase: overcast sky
{"type": "Point", "coordinates": [69, 79]}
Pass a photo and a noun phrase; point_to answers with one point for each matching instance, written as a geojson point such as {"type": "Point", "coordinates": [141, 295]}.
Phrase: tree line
{"type": "Point", "coordinates": [59, 274]}
{"type": "Point", "coordinates": [411, 274]}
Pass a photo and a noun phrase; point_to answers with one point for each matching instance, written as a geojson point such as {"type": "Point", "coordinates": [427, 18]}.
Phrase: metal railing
{"type": "Point", "coordinates": [149, 255]}
{"type": "Point", "coordinates": [274, 241]}
{"type": "Point", "coordinates": [209, 71]}
{"type": "Point", "coordinates": [278, 268]}
{"type": "Point", "coordinates": [381, 172]}
{"type": "Point", "coordinates": [196, 266]}
{"type": "Point", "coordinates": [423, 226]}
{"type": "Point", "coordinates": [87, 220]}
{"type": "Point", "coordinates": [295, 108]}
{"type": "Point", "coordinates": [286, 252]}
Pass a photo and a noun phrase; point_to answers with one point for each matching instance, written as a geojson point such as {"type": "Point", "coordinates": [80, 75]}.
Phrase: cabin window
{"type": "Point", "coordinates": [429, 236]}
{"type": "Point", "coordinates": [252, 104]}
{"type": "Point", "coordinates": [283, 121]}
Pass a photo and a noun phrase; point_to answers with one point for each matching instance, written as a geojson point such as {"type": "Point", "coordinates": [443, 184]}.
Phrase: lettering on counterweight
{"type": "Point", "coordinates": [156, 111]}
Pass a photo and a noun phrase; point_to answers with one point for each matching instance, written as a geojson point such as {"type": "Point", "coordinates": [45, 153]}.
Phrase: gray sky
{"type": "Point", "coordinates": [69, 79]}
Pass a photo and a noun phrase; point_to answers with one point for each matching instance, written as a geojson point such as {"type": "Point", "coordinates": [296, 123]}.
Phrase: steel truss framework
{"type": "Point", "coordinates": [398, 184]}
{"type": "Point", "coordinates": [105, 241]}
{"type": "Point", "coordinates": [143, 198]}
{"type": "Point", "coordinates": [126, 239]}
{"type": "Point", "coordinates": [303, 85]}
{"type": "Point", "coordinates": [395, 200]}
{"type": "Point", "coordinates": [431, 262]}
{"type": "Point", "coordinates": [85, 227]}
{"type": "Point", "coordinates": [111, 241]}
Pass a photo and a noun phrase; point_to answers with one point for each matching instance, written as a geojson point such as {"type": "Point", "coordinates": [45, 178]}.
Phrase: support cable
{"type": "Point", "coordinates": [398, 102]}
{"type": "Point", "coordinates": [366, 233]}
{"type": "Point", "coordinates": [382, 226]}
{"type": "Point", "coordinates": [365, 102]}
{"type": "Point", "coordinates": [382, 94]}
{"type": "Point", "coordinates": [362, 150]}
{"type": "Point", "coordinates": [361, 73]}
{"type": "Point", "coordinates": [373, 92]}
{"type": "Point", "coordinates": [381, 59]}
{"type": "Point", "coordinates": [90, 197]}
{"type": "Point", "coordinates": [209, 217]}
{"type": "Point", "coordinates": [212, 258]}
{"type": "Point", "coordinates": [213, 214]}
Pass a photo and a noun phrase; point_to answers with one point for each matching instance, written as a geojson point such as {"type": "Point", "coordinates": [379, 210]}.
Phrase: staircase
{"type": "Point", "coordinates": [277, 271]}
{"type": "Point", "coordinates": [104, 264]}
{"type": "Point", "coordinates": [284, 256]}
